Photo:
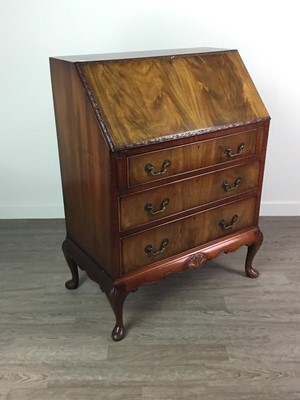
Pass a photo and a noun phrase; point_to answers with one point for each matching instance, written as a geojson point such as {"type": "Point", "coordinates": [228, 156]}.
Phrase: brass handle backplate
{"type": "Point", "coordinates": [229, 152]}
{"type": "Point", "coordinates": [149, 249]}
{"type": "Point", "coordinates": [227, 225]}
{"type": "Point", "coordinates": [228, 188]}
{"type": "Point", "coordinates": [150, 210]}
{"type": "Point", "coordinates": [149, 168]}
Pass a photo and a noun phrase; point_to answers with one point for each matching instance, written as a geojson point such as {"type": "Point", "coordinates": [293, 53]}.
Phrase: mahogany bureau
{"type": "Point", "coordinates": [162, 159]}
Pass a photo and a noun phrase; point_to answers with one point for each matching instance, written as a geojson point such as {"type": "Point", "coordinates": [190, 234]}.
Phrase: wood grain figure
{"type": "Point", "coordinates": [162, 159]}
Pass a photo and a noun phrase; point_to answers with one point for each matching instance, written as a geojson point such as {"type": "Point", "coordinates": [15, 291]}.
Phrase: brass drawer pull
{"type": "Point", "coordinates": [149, 207]}
{"type": "Point", "coordinates": [227, 188]}
{"type": "Point", "coordinates": [149, 168]}
{"type": "Point", "coordinates": [228, 150]}
{"type": "Point", "coordinates": [152, 252]}
{"type": "Point", "coordinates": [227, 225]}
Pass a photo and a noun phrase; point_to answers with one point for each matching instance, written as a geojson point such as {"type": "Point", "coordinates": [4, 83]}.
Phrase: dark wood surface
{"type": "Point", "coordinates": [185, 234]}
{"type": "Point", "coordinates": [187, 158]}
{"type": "Point", "coordinates": [209, 127]}
{"type": "Point", "coordinates": [143, 100]}
{"type": "Point", "coordinates": [225, 338]}
{"type": "Point", "coordinates": [185, 194]}
{"type": "Point", "coordinates": [85, 167]}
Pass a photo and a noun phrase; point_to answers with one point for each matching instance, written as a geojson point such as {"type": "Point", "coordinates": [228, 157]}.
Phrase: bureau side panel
{"type": "Point", "coordinates": [85, 166]}
{"type": "Point", "coordinates": [263, 140]}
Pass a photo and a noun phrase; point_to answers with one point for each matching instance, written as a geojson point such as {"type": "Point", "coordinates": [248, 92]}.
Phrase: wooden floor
{"type": "Point", "coordinates": [206, 334]}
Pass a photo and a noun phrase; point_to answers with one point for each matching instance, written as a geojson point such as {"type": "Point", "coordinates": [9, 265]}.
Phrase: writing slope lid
{"type": "Point", "coordinates": [145, 100]}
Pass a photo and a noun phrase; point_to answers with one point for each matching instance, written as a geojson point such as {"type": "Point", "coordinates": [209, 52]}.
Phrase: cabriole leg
{"type": "Point", "coordinates": [74, 282]}
{"type": "Point", "coordinates": [252, 250]}
{"type": "Point", "coordinates": [116, 298]}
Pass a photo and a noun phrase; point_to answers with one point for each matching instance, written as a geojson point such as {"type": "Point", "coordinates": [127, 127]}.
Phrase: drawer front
{"type": "Point", "coordinates": [150, 205]}
{"type": "Point", "coordinates": [167, 240]}
{"type": "Point", "coordinates": [153, 166]}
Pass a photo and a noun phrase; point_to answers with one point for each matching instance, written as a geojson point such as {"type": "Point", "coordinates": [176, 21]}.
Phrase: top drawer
{"type": "Point", "coordinates": [152, 166]}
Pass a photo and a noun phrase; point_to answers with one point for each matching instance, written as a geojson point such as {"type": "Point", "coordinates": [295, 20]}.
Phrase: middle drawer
{"type": "Point", "coordinates": [150, 205]}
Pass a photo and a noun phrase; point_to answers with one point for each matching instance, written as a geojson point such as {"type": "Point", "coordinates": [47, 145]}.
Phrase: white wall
{"type": "Point", "coordinates": [264, 32]}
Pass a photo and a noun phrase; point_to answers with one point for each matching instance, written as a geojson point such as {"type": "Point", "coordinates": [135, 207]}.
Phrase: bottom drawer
{"type": "Point", "coordinates": [169, 239]}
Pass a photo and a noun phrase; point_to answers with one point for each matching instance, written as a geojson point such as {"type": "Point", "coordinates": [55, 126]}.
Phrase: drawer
{"type": "Point", "coordinates": [152, 166]}
{"type": "Point", "coordinates": [150, 205]}
{"type": "Point", "coordinates": [175, 237]}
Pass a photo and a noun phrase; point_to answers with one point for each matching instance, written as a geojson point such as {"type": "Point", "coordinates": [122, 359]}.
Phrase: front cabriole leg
{"type": "Point", "coordinates": [74, 282]}
{"type": "Point", "coordinates": [116, 294]}
{"type": "Point", "coordinates": [252, 250]}
{"type": "Point", "coordinates": [116, 297]}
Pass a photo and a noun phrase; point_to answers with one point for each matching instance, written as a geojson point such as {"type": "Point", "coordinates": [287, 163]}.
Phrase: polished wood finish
{"type": "Point", "coordinates": [162, 159]}
{"type": "Point", "coordinates": [191, 157]}
{"type": "Point", "coordinates": [184, 234]}
{"type": "Point", "coordinates": [145, 99]}
{"type": "Point", "coordinates": [191, 259]}
{"type": "Point", "coordinates": [186, 194]}
{"type": "Point", "coordinates": [83, 156]}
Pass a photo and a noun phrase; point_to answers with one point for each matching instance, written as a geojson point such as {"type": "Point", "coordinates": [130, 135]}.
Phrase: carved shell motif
{"type": "Point", "coordinates": [196, 261]}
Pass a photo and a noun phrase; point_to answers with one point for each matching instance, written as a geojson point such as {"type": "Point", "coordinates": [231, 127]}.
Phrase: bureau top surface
{"type": "Point", "coordinates": [148, 97]}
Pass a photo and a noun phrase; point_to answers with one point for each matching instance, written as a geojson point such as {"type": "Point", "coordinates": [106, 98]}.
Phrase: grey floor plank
{"type": "Point", "coordinates": [71, 393]}
{"type": "Point", "coordinates": [206, 334]}
{"type": "Point", "coordinates": [159, 355]}
{"type": "Point", "coordinates": [232, 392]}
